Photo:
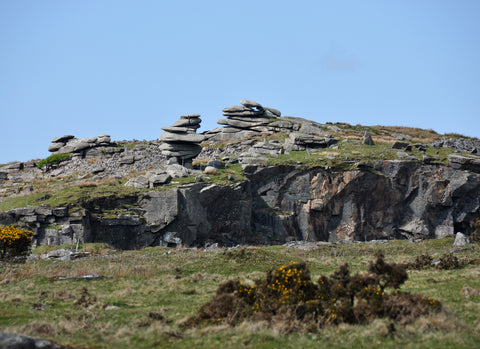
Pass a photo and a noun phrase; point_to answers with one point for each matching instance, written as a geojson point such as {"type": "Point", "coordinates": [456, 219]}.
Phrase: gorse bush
{"type": "Point", "coordinates": [289, 296]}
{"type": "Point", "coordinates": [53, 160]}
{"type": "Point", "coordinates": [14, 242]}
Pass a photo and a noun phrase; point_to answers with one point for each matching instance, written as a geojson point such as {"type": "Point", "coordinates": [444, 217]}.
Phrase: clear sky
{"type": "Point", "coordinates": [128, 68]}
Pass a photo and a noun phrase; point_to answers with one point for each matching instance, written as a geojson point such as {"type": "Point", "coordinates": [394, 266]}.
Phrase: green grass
{"type": "Point", "coordinates": [156, 291]}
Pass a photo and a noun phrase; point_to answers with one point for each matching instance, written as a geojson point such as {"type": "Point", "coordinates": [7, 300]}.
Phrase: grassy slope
{"type": "Point", "coordinates": [155, 291]}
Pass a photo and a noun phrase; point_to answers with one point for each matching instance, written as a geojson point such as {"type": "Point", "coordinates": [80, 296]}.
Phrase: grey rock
{"type": "Point", "coordinates": [59, 211]}
{"type": "Point", "coordinates": [55, 147]}
{"type": "Point", "coordinates": [246, 113]}
{"type": "Point", "coordinates": [178, 129]}
{"type": "Point", "coordinates": [210, 170]}
{"type": "Point", "coordinates": [281, 124]}
{"type": "Point", "coordinates": [236, 109]}
{"type": "Point", "coordinates": [400, 145]}
{"type": "Point", "coordinates": [469, 163]}
{"type": "Point", "coordinates": [188, 122]}
{"type": "Point", "coordinates": [62, 139]}
{"type": "Point", "coordinates": [401, 136]}
{"type": "Point", "coordinates": [17, 341]}
{"type": "Point", "coordinates": [139, 182]}
{"type": "Point", "coordinates": [405, 156]}
{"type": "Point", "coordinates": [13, 166]}
{"type": "Point", "coordinates": [250, 104]}
{"type": "Point", "coordinates": [241, 124]}
{"type": "Point", "coordinates": [461, 240]}
{"type": "Point", "coordinates": [367, 139]}
{"type": "Point", "coordinates": [177, 137]}
{"type": "Point", "coordinates": [3, 176]}
{"type": "Point", "coordinates": [274, 112]}
{"type": "Point", "coordinates": [43, 210]}
{"type": "Point", "coordinates": [216, 164]}
{"type": "Point", "coordinates": [177, 171]}
{"type": "Point", "coordinates": [159, 179]}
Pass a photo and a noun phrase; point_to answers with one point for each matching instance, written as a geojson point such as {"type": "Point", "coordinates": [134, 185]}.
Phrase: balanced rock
{"type": "Point", "coordinates": [180, 141]}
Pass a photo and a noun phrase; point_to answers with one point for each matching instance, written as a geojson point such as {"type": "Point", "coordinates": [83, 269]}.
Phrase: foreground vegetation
{"type": "Point", "coordinates": [146, 298]}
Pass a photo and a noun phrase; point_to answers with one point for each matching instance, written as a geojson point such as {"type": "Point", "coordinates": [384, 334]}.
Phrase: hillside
{"type": "Point", "coordinates": [261, 178]}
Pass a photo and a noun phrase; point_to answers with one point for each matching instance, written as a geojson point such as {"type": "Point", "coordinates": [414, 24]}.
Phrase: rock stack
{"type": "Point", "coordinates": [248, 119]}
{"type": "Point", "coordinates": [181, 143]}
{"type": "Point", "coordinates": [250, 115]}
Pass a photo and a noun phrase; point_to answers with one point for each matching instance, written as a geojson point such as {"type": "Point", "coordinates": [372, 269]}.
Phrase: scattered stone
{"type": "Point", "coordinates": [111, 307]}
{"type": "Point", "coordinates": [210, 170]}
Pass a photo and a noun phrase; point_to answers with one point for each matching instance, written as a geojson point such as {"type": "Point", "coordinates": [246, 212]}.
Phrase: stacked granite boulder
{"type": "Point", "coordinates": [76, 146]}
{"type": "Point", "coordinates": [245, 120]}
{"type": "Point", "coordinates": [181, 143]}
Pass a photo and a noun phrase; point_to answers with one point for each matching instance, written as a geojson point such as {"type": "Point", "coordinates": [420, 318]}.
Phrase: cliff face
{"type": "Point", "coordinates": [394, 199]}
{"type": "Point", "coordinates": [391, 199]}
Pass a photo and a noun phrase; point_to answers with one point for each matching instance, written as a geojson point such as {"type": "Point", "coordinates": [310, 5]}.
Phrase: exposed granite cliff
{"type": "Point", "coordinates": [391, 199]}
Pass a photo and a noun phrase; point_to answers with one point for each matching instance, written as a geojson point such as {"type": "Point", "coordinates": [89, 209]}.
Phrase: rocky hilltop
{"type": "Point", "coordinates": [260, 178]}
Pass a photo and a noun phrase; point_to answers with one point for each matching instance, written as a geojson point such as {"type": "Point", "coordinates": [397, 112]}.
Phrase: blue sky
{"type": "Point", "coordinates": [128, 68]}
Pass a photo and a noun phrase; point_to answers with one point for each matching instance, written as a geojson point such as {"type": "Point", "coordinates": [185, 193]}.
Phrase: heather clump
{"type": "Point", "coordinates": [287, 298]}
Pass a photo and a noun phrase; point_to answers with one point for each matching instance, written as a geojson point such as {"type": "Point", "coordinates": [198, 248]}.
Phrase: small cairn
{"type": "Point", "coordinates": [181, 143]}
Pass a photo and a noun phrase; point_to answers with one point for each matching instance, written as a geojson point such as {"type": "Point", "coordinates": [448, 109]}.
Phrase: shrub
{"type": "Point", "coordinates": [53, 160]}
{"type": "Point", "coordinates": [475, 237]}
{"type": "Point", "coordinates": [14, 242]}
{"type": "Point", "coordinates": [289, 296]}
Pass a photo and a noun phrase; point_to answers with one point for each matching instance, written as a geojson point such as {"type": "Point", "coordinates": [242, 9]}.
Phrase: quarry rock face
{"type": "Point", "coordinates": [392, 200]}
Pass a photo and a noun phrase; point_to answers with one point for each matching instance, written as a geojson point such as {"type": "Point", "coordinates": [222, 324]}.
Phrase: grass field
{"type": "Point", "coordinates": [147, 295]}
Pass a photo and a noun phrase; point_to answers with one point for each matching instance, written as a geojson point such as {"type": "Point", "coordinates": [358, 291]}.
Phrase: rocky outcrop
{"type": "Point", "coordinates": [81, 147]}
{"type": "Point", "coordinates": [181, 143]}
{"type": "Point", "coordinates": [465, 145]}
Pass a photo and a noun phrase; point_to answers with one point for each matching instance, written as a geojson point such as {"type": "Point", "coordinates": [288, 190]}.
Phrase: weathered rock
{"type": "Point", "coordinates": [400, 145]}
{"type": "Point", "coordinates": [367, 139]}
{"type": "Point", "coordinates": [16, 341]}
{"type": "Point", "coordinates": [461, 240]}
{"type": "Point", "coordinates": [242, 124]}
{"type": "Point", "coordinates": [274, 111]}
{"type": "Point", "coordinates": [138, 182]}
{"type": "Point", "coordinates": [177, 171]}
{"type": "Point", "coordinates": [250, 104]}
{"type": "Point", "coordinates": [405, 156]}
{"type": "Point", "coordinates": [62, 139]}
{"type": "Point", "coordinates": [55, 146]}
{"type": "Point", "coordinates": [210, 170]}
{"type": "Point", "coordinates": [469, 163]}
